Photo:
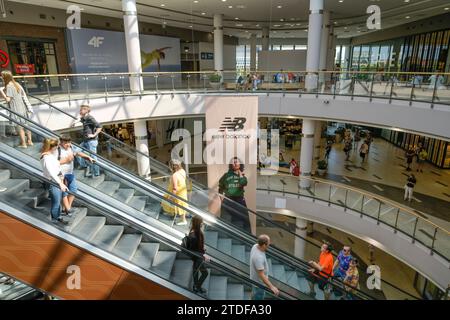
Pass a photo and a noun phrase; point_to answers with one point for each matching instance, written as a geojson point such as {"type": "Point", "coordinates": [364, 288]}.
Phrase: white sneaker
{"type": "Point", "coordinates": [182, 223]}
{"type": "Point", "coordinates": [2, 189]}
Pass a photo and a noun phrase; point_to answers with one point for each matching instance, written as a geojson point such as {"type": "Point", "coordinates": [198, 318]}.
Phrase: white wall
{"type": "Point", "coordinates": [229, 56]}
{"type": "Point", "coordinates": [294, 60]}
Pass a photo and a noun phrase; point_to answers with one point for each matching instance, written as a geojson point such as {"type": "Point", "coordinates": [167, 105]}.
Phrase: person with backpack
{"type": "Point", "coordinates": [409, 157]}
{"type": "Point", "coordinates": [195, 241]}
{"type": "Point", "coordinates": [409, 187]}
{"type": "Point", "coordinates": [66, 154]}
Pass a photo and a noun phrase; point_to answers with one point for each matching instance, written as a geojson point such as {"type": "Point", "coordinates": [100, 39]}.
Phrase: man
{"type": "Point", "coordinates": [66, 154]}
{"type": "Point", "coordinates": [91, 130]}
{"type": "Point", "coordinates": [259, 268]}
{"type": "Point", "coordinates": [232, 184]}
{"type": "Point", "coordinates": [321, 271]}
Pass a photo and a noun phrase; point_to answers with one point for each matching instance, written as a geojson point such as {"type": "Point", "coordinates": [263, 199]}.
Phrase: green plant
{"type": "Point", "coordinates": [322, 164]}
{"type": "Point", "coordinates": [215, 77]}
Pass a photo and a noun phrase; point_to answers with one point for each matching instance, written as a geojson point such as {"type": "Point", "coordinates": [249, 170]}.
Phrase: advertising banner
{"type": "Point", "coordinates": [231, 157]}
{"type": "Point", "coordinates": [24, 68]}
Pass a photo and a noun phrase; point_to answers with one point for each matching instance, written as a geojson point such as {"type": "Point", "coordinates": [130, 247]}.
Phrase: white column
{"type": "Point", "coordinates": [131, 29]}
{"type": "Point", "coordinates": [300, 244]}
{"type": "Point", "coordinates": [306, 152]}
{"type": "Point", "coordinates": [218, 43]}
{"type": "Point", "coordinates": [314, 39]}
{"type": "Point", "coordinates": [265, 38]}
{"type": "Point", "coordinates": [253, 52]}
{"type": "Point", "coordinates": [140, 134]}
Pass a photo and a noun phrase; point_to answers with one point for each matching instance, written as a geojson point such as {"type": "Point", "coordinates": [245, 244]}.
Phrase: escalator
{"type": "Point", "coordinates": [141, 200]}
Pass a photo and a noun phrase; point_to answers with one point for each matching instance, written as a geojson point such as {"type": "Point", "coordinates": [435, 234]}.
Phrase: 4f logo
{"type": "Point", "coordinates": [236, 124]}
{"type": "Point", "coordinates": [96, 41]}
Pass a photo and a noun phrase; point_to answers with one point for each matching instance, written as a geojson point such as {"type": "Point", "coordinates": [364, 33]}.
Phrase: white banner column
{"type": "Point", "coordinates": [143, 161]}
{"type": "Point", "coordinates": [306, 152]}
{"type": "Point", "coordinates": [265, 38]}
{"type": "Point", "coordinates": [301, 227]}
{"type": "Point", "coordinates": [253, 52]}
{"type": "Point", "coordinates": [324, 40]}
{"type": "Point", "coordinates": [131, 30]}
{"type": "Point", "coordinates": [218, 44]}
{"type": "Point", "coordinates": [314, 40]}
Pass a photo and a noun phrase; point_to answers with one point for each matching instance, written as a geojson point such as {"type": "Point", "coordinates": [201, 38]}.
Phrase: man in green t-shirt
{"type": "Point", "coordinates": [232, 184]}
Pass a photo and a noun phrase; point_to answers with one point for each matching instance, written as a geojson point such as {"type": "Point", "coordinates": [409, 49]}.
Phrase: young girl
{"type": "Point", "coordinates": [197, 243]}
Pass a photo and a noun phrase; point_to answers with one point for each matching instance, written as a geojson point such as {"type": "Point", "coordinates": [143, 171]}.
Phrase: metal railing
{"type": "Point", "coordinates": [400, 218]}
{"type": "Point", "coordinates": [431, 88]}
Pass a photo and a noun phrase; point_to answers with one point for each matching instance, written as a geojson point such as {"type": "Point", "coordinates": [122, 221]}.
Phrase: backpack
{"type": "Point", "coordinates": [186, 242]}
{"type": "Point", "coordinates": [296, 171]}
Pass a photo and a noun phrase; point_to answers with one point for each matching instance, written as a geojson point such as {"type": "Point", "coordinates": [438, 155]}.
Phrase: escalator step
{"type": "Point", "coordinates": [235, 291]}
{"type": "Point", "coordinates": [145, 254]}
{"type": "Point", "coordinates": [4, 175]}
{"type": "Point", "coordinates": [77, 217]}
{"type": "Point", "coordinates": [224, 245]}
{"type": "Point", "coordinates": [182, 272]}
{"type": "Point", "coordinates": [109, 187]}
{"type": "Point", "coordinates": [238, 252]}
{"type": "Point", "coordinates": [138, 202]}
{"type": "Point", "coordinates": [279, 272]}
{"type": "Point", "coordinates": [217, 288]}
{"type": "Point", "coordinates": [89, 226]}
{"type": "Point", "coordinates": [163, 263]}
{"type": "Point", "coordinates": [108, 236]}
{"type": "Point", "coordinates": [127, 245]}
{"type": "Point", "coordinates": [14, 186]}
{"type": "Point", "coordinates": [123, 195]}
{"type": "Point", "coordinates": [211, 238]}
{"type": "Point", "coordinates": [292, 279]}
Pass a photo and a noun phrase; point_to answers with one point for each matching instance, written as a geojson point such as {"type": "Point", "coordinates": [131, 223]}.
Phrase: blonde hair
{"type": "Point", "coordinates": [8, 77]}
{"type": "Point", "coordinates": [48, 144]}
{"type": "Point", "coordinates": [175, 165]}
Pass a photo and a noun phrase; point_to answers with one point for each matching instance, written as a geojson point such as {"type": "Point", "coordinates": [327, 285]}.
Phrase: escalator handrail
{"type": "Point", "coordinates": [99, 203]}
{"type": "Point", "coordinates": [294, 262]}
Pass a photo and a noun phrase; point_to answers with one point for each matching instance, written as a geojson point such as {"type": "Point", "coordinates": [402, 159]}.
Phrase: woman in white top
{"type": "Point", "coordinates": [52, 171]}
{"type": "Point", "coordinates": [14, 94]}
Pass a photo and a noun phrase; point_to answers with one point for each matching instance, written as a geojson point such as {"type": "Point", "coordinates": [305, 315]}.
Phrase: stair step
{"type": "Point", "coordinates": [224, 245]}
{"type": "Point", "coordinates": [14, 186]}
{"type": "Point", "coordinates": [109, 187]}
{"type": "Point", "coordinates": [182, 272]}
{"type": "Point", "coordinates": [138, 202]}
{"type": "Point", "coordinates": [89, 226]}
{"type": "Point", "coordinates": [123, 195]}
{"type": "Point", "coordinates": [235, 291]}
{"type": "Point", "coordinates": [5, 174]}
{"type": "Point", "coordinates": [303, 284]}
{"type": "Point", "coordinates": [127, 245]}
{"type": "Point", "coordinates": [145, 254]}
{"type": "Point", "coordinates": [279, 272]}
{"type": "Point", "coordinates": [33, 197]}
{"type": "Point", "coordinates": [238, 252]}
{"type": "Point", "coordinates": [211, 238]}
{"type": "Point", "coordinates": [163, 263]}
{"type": "Point", "coordinates": [92, 182]}
{"type": "Point", "coordinates": [292, 279]}
{"type": "Point", "coordinates": [108, 236]}
{"type": "Point", "coordinates": [77, 217]}
{"type": "Point", "coordinates": [269, 262]}
{"type": "Point", "coordinates": [217, 288]}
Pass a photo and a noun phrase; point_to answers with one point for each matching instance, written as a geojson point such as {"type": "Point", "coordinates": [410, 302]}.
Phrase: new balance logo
{"type": "Point", "coordinates": [236, 124]}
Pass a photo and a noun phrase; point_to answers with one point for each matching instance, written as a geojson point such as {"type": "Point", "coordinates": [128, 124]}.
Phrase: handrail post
{"type": "Point", "coordinates": [392, 91]}
{"type": "Point", "coordinates": [362, 206]}
{"type": "Point", "coordinates": [68, 88]}
{"type": "Point", "coordinates": [47, 80]}
{"type": "Point", "coordinates": [371, 88]}
{"type": "Point", "coordinates": [123, 85]}
{"type": "Point", "coordinates": [414, 232]}
{"type": "Point", "coordinates": [412, 92]}
{"type": "Point", "coordinates": [106, 87]}
{"type": "Point", "coordinates": [329, 196]}
{"type": "Point", "coordinates": [379, 212]}
{"type": "Point", "coordinates": [396, 220]}
{"type": "Point", "coordinates": [314, 191]}
{"type": "Point", "coordinates": [318, 85]}
{"type": "Point", "coordinates": [434, 91]}
{"type": "Point", "coordinates": [188, 77]}
{"type": "Point", "coordinates": [345, 203]}
{"type": "Point", "coordinates": [87, 88]}
{"type": "Point", "coordinates": [172, 76]}
{"type": "Point", "coordinates": [156, 83]}
{"type": "Point", "coordinates": [434, 239]}
{"type": "Point", "coordinates": [352, 84]}
{"type": "Point", "coordinates": [335, 84]}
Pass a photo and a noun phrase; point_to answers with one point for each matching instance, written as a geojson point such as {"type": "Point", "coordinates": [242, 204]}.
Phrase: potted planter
{"type": "Point", "coordinates": [322, 167]}
{"type": "Point", "coordinates": [214, 81]}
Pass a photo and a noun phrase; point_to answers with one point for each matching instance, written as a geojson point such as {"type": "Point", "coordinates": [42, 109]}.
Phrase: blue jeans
{"type": "Point", "coordinates": [71, 184]}
{"type": "Point", "coordinates": [55, 196]}
{"type": "Point", "coordinates": [90, 145]}
{"type": "Point", "coordinates": [258, 293]}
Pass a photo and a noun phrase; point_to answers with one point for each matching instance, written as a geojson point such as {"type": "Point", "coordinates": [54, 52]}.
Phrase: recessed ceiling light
{"type": "Point", "coordinates": [279, 7]}
{"type": "Point", "coordinates": [446, 8]}
{"type": "Point", "coordinates": [281, 19]}
{"type": "Point", "coordinates": [340, 1]}
{"type": "Point", "coordinates": [203, 13]}
{"type": "Point", "coordinates": [406, 1]}
{"type": "Point", "coordinates": [306, 30]}
{"type": "Point", "coordinates": [239, 24]}
{"type": "Point", "coordinates": [224, 0]}
{"type": "Point", "coordinates": [190, 26]}
{"type": "Point", "coordinates": [407, 17]}
{"type": "Point", "coordinates": [236, 18]}
{"type": "Point", "coordinates": [277, 25]}
{"type": "Point", "coordinates": [230, 7]}
{"type": "Point", "coordinates": [246, 30]}
{"type": "Point", "coordinates": [195, 1]}
{"type": "Point", "coordinates": [257, 25]}
{"type": "Point", "coordinates": [163, 5]}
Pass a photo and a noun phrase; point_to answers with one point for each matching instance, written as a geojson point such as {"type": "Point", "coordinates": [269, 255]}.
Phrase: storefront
{"type": "Point", "coordinates": [438, 150]}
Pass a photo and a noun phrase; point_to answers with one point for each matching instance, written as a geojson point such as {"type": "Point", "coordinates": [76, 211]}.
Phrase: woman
{"type": "Point", "coordinates": [409, 187]}
{"type": "Point", "coordinates": [197, 244]}
{"type": "Point", "coordinates": [177, 186]}
{"type": "Point", "coordinates": [14, 94]}
{"type": "Point", "coordinates": [52, 171]}
{"type": "Point", "coordinates": [351, 280]}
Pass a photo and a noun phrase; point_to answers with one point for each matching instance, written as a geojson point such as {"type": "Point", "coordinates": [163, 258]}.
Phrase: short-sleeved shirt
{"type": "Point", "coordinates": [232, 185]}
{"type": "Point", "coordinates": [66, 168]}
{"type": "Point", "coordinates": [90, 125]}
{"type": "Point", "coordinates": [364, 148]}
{"type": "Point", "coordinates": [258, 262]}
{"type": "Point", "coordinates": [344, 264]}
{"type": "Point", "coordinates": [326, 262]}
